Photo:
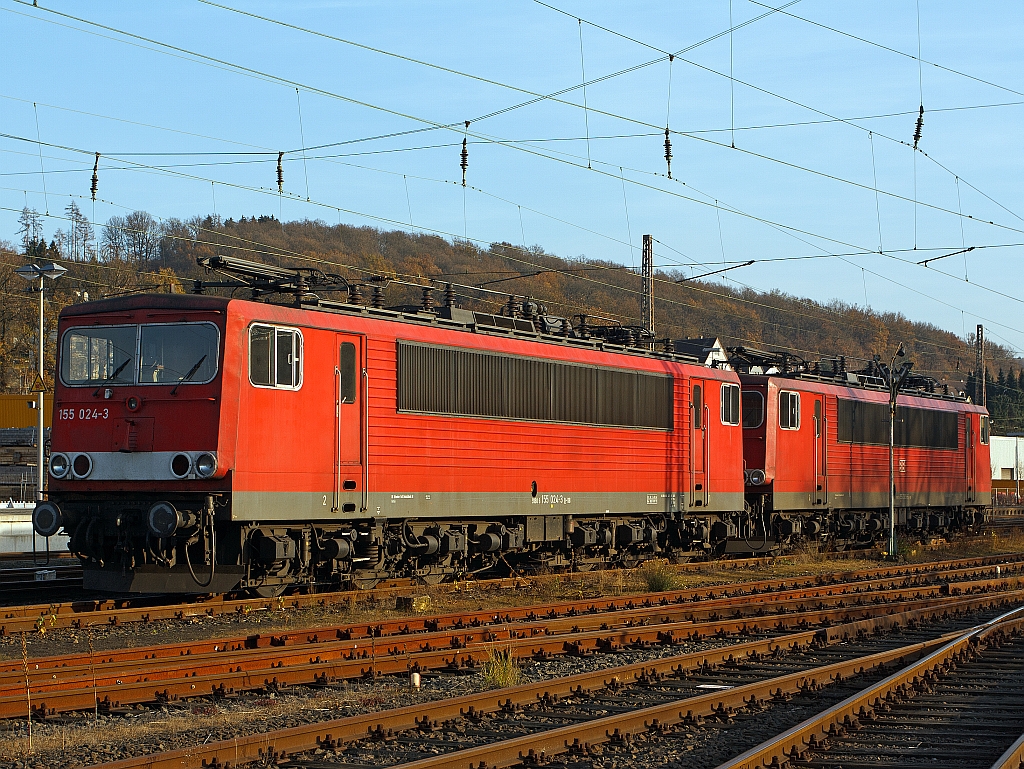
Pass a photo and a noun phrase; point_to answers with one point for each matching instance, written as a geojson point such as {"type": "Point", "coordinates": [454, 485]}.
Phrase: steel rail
{"type": "Point", "coordinates": [580, 613]}
{"type": "Point", "coordinates": [62, 689]}
{"type": "Point", "coordinates": [119, 611]}
{"type": "Point", "coordinates": [1013, 758]}
{"type": "Point", "coordinates": [577, 738]}
{"type": "Point", "coordinates": [329, 734]}
{"type": "Point", "coordinates": [326, 668]}
{"type": "Point", "coordinates": [791, 743]}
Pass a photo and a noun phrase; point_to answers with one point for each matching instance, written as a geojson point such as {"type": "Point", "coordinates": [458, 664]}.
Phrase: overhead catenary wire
{"type": "Point", "coordinates": [788, 230]}
{"type": "Point", "coordinates": [273, 78]}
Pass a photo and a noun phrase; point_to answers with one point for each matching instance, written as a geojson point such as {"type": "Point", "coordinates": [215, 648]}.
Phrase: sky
{"type": "Point", "coordinates": [792, 131]}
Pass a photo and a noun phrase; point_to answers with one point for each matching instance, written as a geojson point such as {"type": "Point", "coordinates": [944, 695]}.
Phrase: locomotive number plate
{"type": "Point", "coordinates": [72, 414]}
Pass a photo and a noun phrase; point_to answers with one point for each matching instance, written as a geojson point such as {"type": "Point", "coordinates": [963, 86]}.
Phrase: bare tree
{"type": "Point", "coordinates": [142, 236]}
{"type": "Point", "coordinates": [30, 228]}
{"type": "Point", "coordinates": [115, 243]}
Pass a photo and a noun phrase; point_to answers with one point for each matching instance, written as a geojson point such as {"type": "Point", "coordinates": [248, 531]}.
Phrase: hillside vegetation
{"type": "Point", "coordinates": [136, 253]}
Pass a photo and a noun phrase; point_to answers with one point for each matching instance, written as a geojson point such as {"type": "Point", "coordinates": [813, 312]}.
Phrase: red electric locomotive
{"type": "Point", "coordinates": [202, 443]}
{"type": "Point", "coordinates": [816, 446]}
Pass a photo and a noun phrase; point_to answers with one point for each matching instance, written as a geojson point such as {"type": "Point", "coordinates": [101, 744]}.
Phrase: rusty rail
{"type": "Point", "coordinates": [1013, 758]}
{"type": "Point", "coordinates": [790, 744]}
{"type": "Point", "coordinates": [277, 744]}
{"type": "Point", "coordinates": [119, 611]}
{"type": "Point", "coordinates": [322, 666]}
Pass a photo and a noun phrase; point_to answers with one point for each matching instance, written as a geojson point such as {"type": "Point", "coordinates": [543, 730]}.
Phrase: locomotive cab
{"type": "Point", "coordinates": [136, 474]}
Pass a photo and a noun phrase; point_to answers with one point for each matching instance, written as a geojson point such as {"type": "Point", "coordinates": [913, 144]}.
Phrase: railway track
{"type": "Point", "coordinates": [328, 656]}
{"type": "Point", "coordinates": [572, 716]}
{"type": "Point", "coordinates": [962, 705]}
{"type": "Point", "coordinates": [116, 611]}
{"type": "Point", "coordinates": [22, 581]}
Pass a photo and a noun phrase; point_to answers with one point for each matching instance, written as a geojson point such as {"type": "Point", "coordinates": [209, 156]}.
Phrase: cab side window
{"type": "Point", "coordinates": [789, 410]}
{"type": "Point", "coordinates": [730, 404]}
{"type": "Point", "coordinates": [275, 357]}
{"type": "Point", "coordinates": [985, 424]}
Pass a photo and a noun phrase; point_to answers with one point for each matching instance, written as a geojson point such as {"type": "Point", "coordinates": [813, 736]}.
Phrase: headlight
{"type": "Point", "coordinates": [82, 465]}
{"type": "Point", "coordinates": [756, 477]}
{"type": "Point", "coordinates": [163, 519]}
{"type": "Point", "coordinates": [206, 465]}
{"type": "Point", "coordinates": [181, 465]}
{"type": "Point", "coordinates": [59, 465]}
{"type": "Point", "coordinates": [47, 519]}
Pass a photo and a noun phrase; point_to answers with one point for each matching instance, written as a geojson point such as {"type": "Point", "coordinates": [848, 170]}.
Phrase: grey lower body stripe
{"type": "Point", "coordinates": [306, 506]}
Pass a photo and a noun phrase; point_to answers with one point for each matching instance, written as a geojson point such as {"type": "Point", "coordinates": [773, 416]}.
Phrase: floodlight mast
{"type": "Point", "coordinates": [41, 272]}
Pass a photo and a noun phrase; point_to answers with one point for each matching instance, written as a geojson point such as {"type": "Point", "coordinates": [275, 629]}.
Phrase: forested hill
{"type": "Point", "coordinates": [137, 253]}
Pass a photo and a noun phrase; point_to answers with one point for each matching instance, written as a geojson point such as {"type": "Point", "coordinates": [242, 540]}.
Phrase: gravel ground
{"type": "Point", "coordinates": [84, 741]}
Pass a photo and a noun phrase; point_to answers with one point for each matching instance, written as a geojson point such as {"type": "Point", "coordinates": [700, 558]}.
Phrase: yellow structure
{"type": "Point", "coordinates": [15, 410]}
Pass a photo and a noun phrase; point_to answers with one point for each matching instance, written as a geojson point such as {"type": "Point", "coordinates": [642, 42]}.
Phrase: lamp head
{"type": "Point", "coordinates": [34, 271]}
{"type": "Point", "coordinates": [900, 352]}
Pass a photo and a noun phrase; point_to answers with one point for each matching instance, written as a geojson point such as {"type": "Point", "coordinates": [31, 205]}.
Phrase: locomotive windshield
{"type": "Point", "coordinates": [159, 353]}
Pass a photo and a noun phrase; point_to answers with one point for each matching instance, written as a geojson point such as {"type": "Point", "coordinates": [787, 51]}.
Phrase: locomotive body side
{"type": "Point", "coordinates": [465, 462]}
{"type": "Point", "coordinates": [823, 450]}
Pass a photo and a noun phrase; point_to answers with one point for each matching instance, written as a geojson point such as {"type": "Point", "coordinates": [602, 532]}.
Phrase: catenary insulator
{"type": "Point", "coordinates": [919, 126]}
{"type": "Point", "coordinates": [95, 177]}
{"type": "Point", "coordinates": [668, 152]}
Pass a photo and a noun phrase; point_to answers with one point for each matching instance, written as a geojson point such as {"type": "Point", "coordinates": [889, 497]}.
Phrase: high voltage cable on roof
{"type": "Point", "coordinates": [273, 78]}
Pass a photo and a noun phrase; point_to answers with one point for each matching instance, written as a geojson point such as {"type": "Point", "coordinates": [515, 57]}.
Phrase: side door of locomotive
{"type": "Point", "coordinates": [698, 443]}
{"type": "Point", "coordinates": [971, 448]}
{"type": "Point", "coordinates": [349, 424]}
{"type": "Point", "coordinates": [820, 439]}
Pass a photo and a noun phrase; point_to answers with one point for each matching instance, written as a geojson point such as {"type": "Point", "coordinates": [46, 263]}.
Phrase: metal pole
{"type": "Point", "coordinates": [41, 474]}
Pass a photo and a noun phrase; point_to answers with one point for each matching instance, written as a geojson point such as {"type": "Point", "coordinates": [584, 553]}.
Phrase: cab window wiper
{"type": "Point", "coordinates": [113, 375]}
{"type": "Point", "coordinates": [191, 373]}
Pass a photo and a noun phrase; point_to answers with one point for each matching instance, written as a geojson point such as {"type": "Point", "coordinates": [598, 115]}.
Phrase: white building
{"type": "Point", "coordinates": [1007, 459]}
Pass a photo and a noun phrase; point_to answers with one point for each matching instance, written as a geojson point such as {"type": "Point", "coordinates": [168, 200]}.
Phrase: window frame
{"type": "Point", "coordinates": [760, 395]}
{"type": "Point", "coordinates": [790, 426]}
{"type": "Point", "coordinates": [725, 401]}
{"type": "Point", "coordinates": [136, 380]}
{"type": "Point", "coordinates": [985, 430]}
{"type": "Point", "coordinates": [138, 354]}
{"type": "Point", "coordinates": [273, 356]}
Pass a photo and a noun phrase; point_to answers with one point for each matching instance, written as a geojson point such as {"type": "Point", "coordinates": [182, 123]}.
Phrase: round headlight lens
{"type": "Point", "coordinates": [59, 465]}
{"type": "Point", "coordinates": [82, 465]}
{"type": "Point", "coordinates": [206, 465]}
{"type": "Point", "coordinates": [180, 465]}
{"type": "Point", "coordinates": [757, 477]}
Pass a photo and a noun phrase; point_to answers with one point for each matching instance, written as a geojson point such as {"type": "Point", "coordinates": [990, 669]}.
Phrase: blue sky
{"type": "Point", "coordinates": [180, 136]}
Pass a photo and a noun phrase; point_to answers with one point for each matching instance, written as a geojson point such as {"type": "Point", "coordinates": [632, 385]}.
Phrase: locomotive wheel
{"type": "Point", "coordinates": [270, 591]}
{"type": "Point", "coordinates": [362, 580]}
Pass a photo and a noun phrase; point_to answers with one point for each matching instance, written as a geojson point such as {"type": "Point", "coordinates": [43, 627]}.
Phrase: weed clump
{"type": "Point", "coordinates": [502, 668]}
{"type": "Point", "coordinates": [658, 576]}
